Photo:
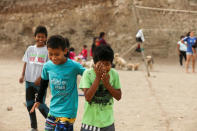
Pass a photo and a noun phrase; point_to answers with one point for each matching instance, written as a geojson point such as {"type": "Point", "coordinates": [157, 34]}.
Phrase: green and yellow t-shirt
{"type": "Point", "coordinates": [99, 112]}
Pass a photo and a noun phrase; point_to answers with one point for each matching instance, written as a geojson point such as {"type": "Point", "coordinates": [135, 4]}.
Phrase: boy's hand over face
{"type": "Point", "coordinates": [105, 78]}
{"type": "Point", "coordinates": [99, 69]}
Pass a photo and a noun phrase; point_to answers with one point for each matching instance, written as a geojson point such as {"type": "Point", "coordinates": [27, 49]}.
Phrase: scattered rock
{"type": "Point", "coordinates": [9, 108]}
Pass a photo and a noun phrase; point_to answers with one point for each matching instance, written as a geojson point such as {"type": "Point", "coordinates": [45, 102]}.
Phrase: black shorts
{"type": "Point", "coordinates": [138, 39]}
{"type": "Point", "coordinates": [92, 128]}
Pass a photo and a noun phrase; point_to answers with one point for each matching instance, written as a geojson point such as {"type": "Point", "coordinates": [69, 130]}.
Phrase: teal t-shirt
{"type": "Point", "coordinates": [99, 112]}
{"type": "Point", "coordinates": [63, 86]}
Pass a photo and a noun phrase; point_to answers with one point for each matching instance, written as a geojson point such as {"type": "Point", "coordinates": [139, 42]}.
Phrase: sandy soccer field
{"type": "Point", "coordinates": [167, 101]}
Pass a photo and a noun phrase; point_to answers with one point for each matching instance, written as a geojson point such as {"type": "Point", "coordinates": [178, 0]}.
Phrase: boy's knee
{"type": "Point", "coordinates": [30, 94]}
{"type": "Point", "coordinates": [42, 106]}
{"type": "Point", "coordinates": [29, 104]}
{"type": "Point", "coordinates": [29, 107]}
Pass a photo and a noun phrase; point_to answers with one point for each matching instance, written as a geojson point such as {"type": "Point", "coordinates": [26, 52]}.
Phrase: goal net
{"type": "Point", "coordinates": [163, 27]}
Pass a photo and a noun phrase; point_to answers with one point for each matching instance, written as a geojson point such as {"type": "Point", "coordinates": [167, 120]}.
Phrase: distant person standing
{"type": "Point", "coordinates": [72, 53]}
{"type": "Point", "coordinates": [102, 39]}
{"type": "Point", "coordinates": [191, 40]}
{"type": "Point", "coordinates": [94, 44]}
{"type": "Point", "coordinates": [181, 48]}
{"type": "Point", "coordinates": [139, 39]}
{"type": "Point", "coordinates": [84, 53]}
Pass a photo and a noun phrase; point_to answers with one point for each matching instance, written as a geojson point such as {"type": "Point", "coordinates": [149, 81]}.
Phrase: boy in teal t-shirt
{"type": "Point", "coordinates": [61, 73]}
{"type": "Point", "coordinates": [100, 84]}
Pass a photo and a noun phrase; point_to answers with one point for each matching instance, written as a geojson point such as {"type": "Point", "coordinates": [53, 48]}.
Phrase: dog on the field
{"type": "Point", "coordinates": [119, 61]}
{"type": "Point", "coordinates": [78, 59]}
{"type": "Point", "coordinates": [88, 64]}
{"type": "Point", "coordinates": [133, 67]}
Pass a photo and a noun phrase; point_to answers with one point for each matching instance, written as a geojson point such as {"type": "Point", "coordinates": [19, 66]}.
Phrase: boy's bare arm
{"type": "Point", "coordinates": [36, 105]}
{"type": "Point", "coordinates": [21, 79]}
{"type": "Point", "coordinates": [37, 82]}
{"type": "Point", "coordinates": [116, 93]}
{"type": "Point", "coordinates": [90, 92]}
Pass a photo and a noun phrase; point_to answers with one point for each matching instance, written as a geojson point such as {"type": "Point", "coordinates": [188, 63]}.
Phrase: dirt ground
{"type": "Point", "coordinates": [166, 101]}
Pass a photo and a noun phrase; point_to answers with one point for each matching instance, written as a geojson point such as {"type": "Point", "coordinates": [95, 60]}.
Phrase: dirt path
{"type": "Point", "coordinates": [166, 101]}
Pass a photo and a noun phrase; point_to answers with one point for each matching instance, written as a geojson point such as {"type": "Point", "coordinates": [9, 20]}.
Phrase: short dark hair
{"type": "Point", "coordinates": [72, 49]}
{"type": "Point", "coordinates": [181, 37]}
{"type": "Point", "coordinates": [101, 34]}
{"type": "Point", "coordinates": [188, 34]}
{"type": "Point", "coordinates": [103, 52]}
{"type": "Point", "coordinates": [84, 46]}
{"type": "Point", "coordinates": [41, 29]}
{"type": "Point", "coordinates": [94, 43]}
{"type": "Point", "coordinates": [57, 41]}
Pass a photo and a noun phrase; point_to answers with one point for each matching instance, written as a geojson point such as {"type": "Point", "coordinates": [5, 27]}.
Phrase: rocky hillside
{"type": "Point", "coordinates": [81, 20]}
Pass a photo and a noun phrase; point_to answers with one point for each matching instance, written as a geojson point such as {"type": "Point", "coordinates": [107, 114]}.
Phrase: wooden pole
{"type": "Point", "coordinates": [130, 49]}
{"type": "Point", "coordinates": [136, 17]}
{"type": "Point", "coordinates": [144, 59]}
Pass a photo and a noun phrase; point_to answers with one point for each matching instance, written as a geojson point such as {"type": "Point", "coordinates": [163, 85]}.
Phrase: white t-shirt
{"type": "Point", "coordinates": [140, 34]}
{"type": "Point", "coordinates": [183, 46]}
{"type": "Point", "coordinates": [35, 57]}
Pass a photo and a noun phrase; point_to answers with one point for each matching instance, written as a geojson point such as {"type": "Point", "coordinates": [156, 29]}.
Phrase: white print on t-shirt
{"type": "Point", "coordinates": [37, 59]}
{"type": "Point", "coordinates": [59, 84]}
{"type": "Point", "coordinates": [183, 46]}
